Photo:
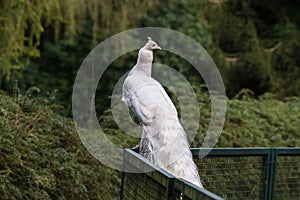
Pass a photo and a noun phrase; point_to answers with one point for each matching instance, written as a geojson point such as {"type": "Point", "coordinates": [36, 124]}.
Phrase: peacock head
{"type": "Point", "coordinates": [151, 45]}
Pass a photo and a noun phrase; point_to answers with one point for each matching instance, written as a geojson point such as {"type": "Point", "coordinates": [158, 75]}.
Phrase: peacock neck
{"type": "Point", "coordinates": [142, 69]}
{"type": "Point", "coordinates": [144, 63]}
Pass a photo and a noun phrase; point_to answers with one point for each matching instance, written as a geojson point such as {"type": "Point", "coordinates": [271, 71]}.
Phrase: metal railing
{"type": "Point", "coordinates": [153, 183]}
{"type": "Point", "coordinates": [228, 173]}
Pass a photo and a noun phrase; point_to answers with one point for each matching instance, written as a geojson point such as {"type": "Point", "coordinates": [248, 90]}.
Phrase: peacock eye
{"type": "Point", "coordinates": [153, 45]}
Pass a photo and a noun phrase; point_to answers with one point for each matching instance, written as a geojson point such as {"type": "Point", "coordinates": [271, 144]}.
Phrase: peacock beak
{"type": "Point", "coordinates": [158, 47]}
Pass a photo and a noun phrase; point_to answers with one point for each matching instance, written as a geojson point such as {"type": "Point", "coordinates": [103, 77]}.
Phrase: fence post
{"type": "Point", "coordinates": [267, 163]}
{"type": "Point", "coordinates": [122, 185]}
{"type": "Point", "coordinates": [270, 174]}
{"type": "Point", "coordinates": [171, 189]}
{"type": "Point", "coordinates": [273, 175]}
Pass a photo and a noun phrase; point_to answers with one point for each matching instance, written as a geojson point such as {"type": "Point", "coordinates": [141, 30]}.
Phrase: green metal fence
{"type": "Point", "coordinates": [237, 173]}
{"type": "Point", "coordinates": [155, 184]}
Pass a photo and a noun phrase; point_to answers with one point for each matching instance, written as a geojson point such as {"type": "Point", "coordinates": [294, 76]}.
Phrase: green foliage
{"type": "Point", "coordinates": [248, 72]}
{"type": "Point", "coordinates": [286, 62]}
{"type": "Point", "coordinates": [262, 123]}
{"type": "Point", "coordinates": [42, 157]}
{"type": "Point", "coordinates": [262, 36]}
{"type": "Point", "coordinates": [236, 33]}
{"type": "Point", "coordinates": [23, 22]}
{"type": "Point", "coordinates": [17, 17]}
{"type": "Point", "coordinates": [251, 122]}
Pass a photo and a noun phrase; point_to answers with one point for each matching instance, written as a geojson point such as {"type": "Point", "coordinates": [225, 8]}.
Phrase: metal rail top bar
{"type": "Point", "coordinates": [244, 151]}
{"type": "Point", "coordinates": [203, 190]}
{"type": "Point", "coordinates": [130, 153]}
{"type": "Point", "coordinates": [288, 151]}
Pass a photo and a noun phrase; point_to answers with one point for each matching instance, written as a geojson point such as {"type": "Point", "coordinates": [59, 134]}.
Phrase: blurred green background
{"type": "Point", "coordinates": [254, 43]}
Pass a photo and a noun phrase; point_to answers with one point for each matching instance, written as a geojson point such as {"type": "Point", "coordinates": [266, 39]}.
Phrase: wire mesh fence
{"type": "Point", "coordinates": [287, 180]}
{"type": "Point", "coordinates": [243, 173]}
{"type": "Point", "coordinates": [233, 177]}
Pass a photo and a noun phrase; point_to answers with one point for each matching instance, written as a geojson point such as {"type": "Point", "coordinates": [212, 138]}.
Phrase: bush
{"type": "Point", "coordinates": [42, 157]}
{"type": "Point", "coordinates": [249, 72]}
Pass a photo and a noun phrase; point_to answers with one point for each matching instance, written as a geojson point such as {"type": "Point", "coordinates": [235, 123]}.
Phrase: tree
{"type": "Point", "coordinates": [22, 23]}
